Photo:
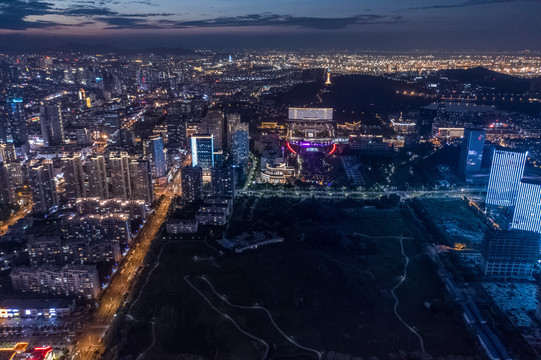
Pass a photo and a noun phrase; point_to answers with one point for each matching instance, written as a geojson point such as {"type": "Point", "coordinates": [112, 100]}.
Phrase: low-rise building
{"type": "Point", "coordinates": [34, 308]}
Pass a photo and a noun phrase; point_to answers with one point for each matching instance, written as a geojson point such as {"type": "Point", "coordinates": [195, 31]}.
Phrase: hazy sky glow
{"type": "Point", "coordinates": [356, 24]}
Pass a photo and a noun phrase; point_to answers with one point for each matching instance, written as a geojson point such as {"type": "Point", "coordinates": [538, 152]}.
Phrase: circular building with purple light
{"type": "Point", "coordinates": [310, 130]}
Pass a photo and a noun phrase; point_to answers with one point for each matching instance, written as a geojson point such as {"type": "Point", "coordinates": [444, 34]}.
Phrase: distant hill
{"type": "Point", "coordinates": [355, 93]}
{"type": "Point", "coordinates": [481, 76]}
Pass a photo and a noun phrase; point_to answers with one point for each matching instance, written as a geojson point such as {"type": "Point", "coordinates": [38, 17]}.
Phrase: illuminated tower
{"type": "Point", "coordinates": [328, 81]}
{"type": "Point", "coordinates": [505, 175]}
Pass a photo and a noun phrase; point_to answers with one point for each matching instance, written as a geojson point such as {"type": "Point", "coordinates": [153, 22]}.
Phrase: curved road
{"type": "Point", "coordinates": [257, 307]}
{"type": "Point", "coordinates": [230, 319]}
{"type": "Point", "coordinates": [396, 301]}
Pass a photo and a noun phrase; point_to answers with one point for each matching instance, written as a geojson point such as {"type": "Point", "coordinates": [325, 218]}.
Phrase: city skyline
{"type": "Point", "coordinates": [380, 25]}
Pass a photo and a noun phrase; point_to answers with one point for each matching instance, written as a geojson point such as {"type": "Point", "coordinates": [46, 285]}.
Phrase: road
{"type": "Point", "coordinates": [397, 301]}
{"type": "Point", "coordinates": [339, 194]}
{"type": "Point", "coordinates": [114, 295]}
{"type": "Point", "coordinates": [25, 209]}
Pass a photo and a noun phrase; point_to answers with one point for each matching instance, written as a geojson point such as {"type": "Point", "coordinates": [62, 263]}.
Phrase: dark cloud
{"type": "Point", "coordinates": [14, 12]}
{"type": "Point", "coordinates": [123, 22]}
{"type": "Point", "coordinates": [467, 3]}
{"type": "Point", "coordinates": [288, 20]}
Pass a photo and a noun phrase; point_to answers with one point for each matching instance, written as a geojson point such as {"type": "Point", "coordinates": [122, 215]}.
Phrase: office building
{"type": "Point", "coordinates": [527, 212]}
{"type": "Point", "coordinates": [119, 168]}
{"type": "Point", "coordinates": [232, 121]}
{"type": "Point", "coordinates": [14, 128]}
{"type": "Point", "coordinates": [176, 132]}
{"type": "Point", "coordinates": [505, 175]}
{"type": "Point", "coordinates": [69, 280]}
{"type": "Point", "coordinates": [203, 151]}
{"type": "Point", "coordinates": [74, 181]}
{"type": "Point", "coordinates": [7, 193]}
{"type": "Point", "coordinates": [223, 181]}
{"type": "Point", "coordinates": [240, 146]}
{"type": "Point", "coordinates": [192, 183]}
{"type": "Point", "coordinates": [97, 177]}
{"type": "Point", "coordinates": [471, 154]}
{"type": "Point", "coordinates": [141, 180]}
{"type": "Point", "coordinates": [43, 186]}
{"type": "Point", "coordinates": [509, 254]}
{"type": "Point", "coordinates": [52, 126]}
{"type": "Point", "coordinates": [155, 152]}
{"type": "Point", "coordinates": [213, 124]}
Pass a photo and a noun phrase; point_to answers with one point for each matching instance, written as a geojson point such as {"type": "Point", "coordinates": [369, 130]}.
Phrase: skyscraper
{"type": "Point", "coordinates": [203, 151]}
{"type": "Point", "coordinates": [74, 181]}
{"type": "Point", "coordinates": [97, 177]}
{"type": "Point", "coordinates": [14, 128]}
{"type": "Point", "coordinates": [223, 181]}
{"type": "Point", "coordinates": [176, 127]}
{"type": "Point", "coordinates": [141, 180]}
{"type": "Point", "coordinates": [7, 194]}
{"type": "Point", "coordinates": [509, 254]}
{"type": "Point", "coordinates": [42, 184]}
{"type": "Point", "coordinates": [232, 121]}
{"type": "Point", "coordinates": [471, 153]}
{"type": "Point", "coordinates": [119, 167]}
{"type": "Point", "coordinates": [527, 214]}
{"type": "Point", "coordinates": [240, 147]}
{"type": "Point", "coordinates": [213, 124]}
{"type": "Point", "coordinates": [192, 183]}
{"type": "Point", "coordinates": [505, 174]}
{"type": "Point", "coordinates": [156, 153]}
{"type": "Point", "coordinates": [52, 126]}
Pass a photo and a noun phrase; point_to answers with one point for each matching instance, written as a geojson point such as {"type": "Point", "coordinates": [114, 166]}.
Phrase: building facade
{"type": "Point", "coordinates": [505, 175]}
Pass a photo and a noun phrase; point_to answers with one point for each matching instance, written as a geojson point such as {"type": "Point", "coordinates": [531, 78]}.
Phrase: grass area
{"type": "Point", "coordinates": [327, 286]}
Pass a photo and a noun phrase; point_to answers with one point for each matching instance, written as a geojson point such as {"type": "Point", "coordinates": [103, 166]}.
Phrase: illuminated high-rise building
{"type": "Point", "coordinates": [471, 153]}
{"type": "Point", "coordinates": [74, 181]}
{"type": "Point", "coordinates": [223, 181]}
{"type": "Point", "coordinates": [141, 180]}
{"type": "Point", "coordinates": [119, 167]}
{"type": "Point", "coordinates": [203, 151]}
{"type": "Point", "coordinates": [505, 175]}
{"type": "Point", "coordinates": [240, 146]}
{"type": "Point", "coordinates": [52, 126]}
{"type": "Point", "coordinates": [7, 193]}
{"type": "Point", "coordinates": [97, 177]}
{"type": "Point", "coordinates": [14, 127]}
{"type": "Point", "coordinates": [156, 153]}
{"type": "Point", "coordinates": [213, 124]}
{"type": "Point", "coordinates": [43, 187]}
{"type": "Point", "coordinates": [192, 183]}
{"type": "Point", "coordinates": [527, 213]}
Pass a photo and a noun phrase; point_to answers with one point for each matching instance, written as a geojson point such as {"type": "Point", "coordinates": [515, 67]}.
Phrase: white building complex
{"type": "Point", "coordinates": [505, 175]}
{"type": "Point", "coordinates": [527, 215]}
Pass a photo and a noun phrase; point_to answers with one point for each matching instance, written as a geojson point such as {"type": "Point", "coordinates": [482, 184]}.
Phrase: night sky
{"type": "Point", "coordinates": [341, 24]}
